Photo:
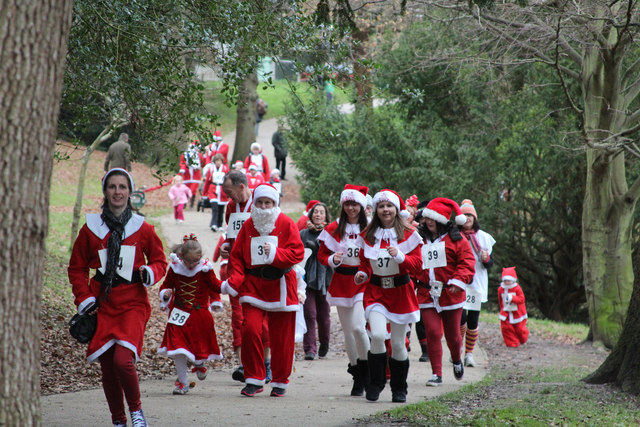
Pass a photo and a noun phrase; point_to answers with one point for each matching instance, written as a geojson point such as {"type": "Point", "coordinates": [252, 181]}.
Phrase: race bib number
{"type": "Point", "coordinates": [433, 255]}
{"type": "Point", "coordinates": [236, 220]}
{"type": "Point", "coordinates": [218, 178]}
{"type": "Point", "coordinates": [351, 254]}
{"type": "Point", "coordinates": [385, 265]}
{"type": "Point", "coordinates": [258, 254]}
{"type": "Point", "coordinates": [178, 317]}
{"type": "Point", "coordinates": [124, 268]}
{"type": "Point", "coordinates": [473, 300]}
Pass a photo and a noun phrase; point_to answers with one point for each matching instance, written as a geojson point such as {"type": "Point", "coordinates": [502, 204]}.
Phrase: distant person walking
{"type": "Point", "coordinates": [261, 110]}
{"type": "Point", "coordinates": [280, 151]}
{"type": "Point", "coordinates": [119, 154]}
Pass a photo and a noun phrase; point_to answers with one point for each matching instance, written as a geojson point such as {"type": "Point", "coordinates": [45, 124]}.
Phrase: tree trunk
{"type": "Point", "coordinates": [33, 43]}
{"type": "Point", "coordinates": [246, 117]}
{"type": "Point", "coordinates": [622, 367]}
{"type": "Point", "coordinates": [607, 215]}
{"type": "Point", "coordinates": [77, 207]}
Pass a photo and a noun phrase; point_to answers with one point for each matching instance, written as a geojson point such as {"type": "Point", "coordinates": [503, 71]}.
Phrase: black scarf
{"type": "Point", "coordinates": [116, 226]}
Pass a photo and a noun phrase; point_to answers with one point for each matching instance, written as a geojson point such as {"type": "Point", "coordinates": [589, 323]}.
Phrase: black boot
{"type": "Point", "coordinates": [363, 367]}
{"type": "Point", "coordinates": [358, 385]}
{"type": "Point", "coordinates": [425, 353]}
{"type": "Point", "coordinates": [378, 375]}
{"type": "Point", "coordinates": [399, 370]}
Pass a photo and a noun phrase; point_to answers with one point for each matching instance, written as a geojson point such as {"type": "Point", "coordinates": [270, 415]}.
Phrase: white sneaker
{"type": "Point", "coordinates": [435, 381]}
{"type": "Point", "coordinates": [468, 360]}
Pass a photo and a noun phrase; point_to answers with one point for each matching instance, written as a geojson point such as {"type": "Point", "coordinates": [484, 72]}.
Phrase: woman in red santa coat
{"type": "Point", "coordinates": [391, 251]}
{"type": "Point", "coordinates": [449, 266]}
{"type": "Point", "coordinates": [265, 250]}
{"type": "Point", "coordinates": [340, 249]}
{"type": "Point", "coordinates": [128, 257]}
{"type": "Point", "coordinates": [191, 163]}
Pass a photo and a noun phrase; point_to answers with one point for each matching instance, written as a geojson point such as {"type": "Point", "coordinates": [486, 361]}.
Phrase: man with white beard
{"type": "Point", "coordinates": [266, 248]}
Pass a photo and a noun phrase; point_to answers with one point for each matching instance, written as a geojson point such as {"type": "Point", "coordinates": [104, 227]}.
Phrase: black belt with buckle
{"type": "Point", "coordinates": [268, 272]}
{"type": "Point", "coordinates": [388, 282]}
{"type": "Point", "coordinates": [136, 277]}
{"type": "Point", "coordinates": [347, 271]}
{"type": "Point", "coordinates": [424, 285]}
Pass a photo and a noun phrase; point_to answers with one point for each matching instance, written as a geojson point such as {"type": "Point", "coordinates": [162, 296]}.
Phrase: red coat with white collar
{"type": "Point", "coordinates": [458, 272]}
{"type": "Point", "coordinates": [342, 290]}
{"type": "Point", "coordinates": [517, 298]}
{"type": "Point", "coordinates": [215, 148]}
{"type": "Point", "coordinates": [270, 295]}
{"type": "Point", "coordinates": [398, 304]}
{"type": "Point", "coordinates": [124, 315]}
{"type": "Point", "coordinates": [213, 190]}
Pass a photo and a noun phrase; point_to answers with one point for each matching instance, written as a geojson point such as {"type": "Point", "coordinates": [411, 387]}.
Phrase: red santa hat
{"type": "Point", "coordinates": [509, 273]}
{"type": "Point", "coordinates": [440, 210]}
{"type": "Point", "coordinates": [256, 145]}
{"type": "Point", "coordinates": [217, 136]}
{"type": "Point", "coordinates": [354, 193]}
{"type": "Point", "coordinates": [238, 165]}
{"type": "Point", "coordinates": [110, 172]}
{"type": "Point", "coordinates": [268, 191]}
{"type": "Point", "coordinates": [467, 208]}
{"type": "Point", "coordinates": [393, 198]}
{"type": "Point", "coordinates": [253, 167]}
{"type": "Point", "coordinates": [310, 205]}
{"type": "Point", "coordinates": [412, 201]}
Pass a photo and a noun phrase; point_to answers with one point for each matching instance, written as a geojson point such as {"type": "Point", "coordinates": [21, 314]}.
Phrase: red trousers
{"type": "Point", "coordinates": [434, 324]}
{"type": "Point", "coordinates": [282, 345]}
{"type": "Point", "coordinates": [236, 324]}
{"type": "Point", "coordinates": [119, 376]}
{"type": "Point", "coordinates": [514, 334]}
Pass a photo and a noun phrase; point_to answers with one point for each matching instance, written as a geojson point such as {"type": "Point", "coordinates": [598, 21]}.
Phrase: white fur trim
{"type": "Point", "coordinates": [430, 213]}
{"type": "Point", "coordinates": [97, 226]}
{"type": "Point", "coordinates": [353, 196]}
{"type": "Point", "coordinates": [86, 303]}
{"type": "Point", "coordinates": [458, 283]}
{"type": "Point", "coordinates": [266, 190]}
{"type": "Point", "coordinates": [174, 257]}
{"type": "Point", "coordinates": [386, 196]}
{"type": "Point", "coordinates": [404, 214]}
{"type": "Point", "coordinates": [226, 289]}
{"type": "Point", "coordinates": [152, 279]}
{"type": "Point", "coordinates": [181, 269]}
{"type": "Point", "coordinates": [399, 258]}
{"type": "Point", "coordinates": [515, 282]}
{"type": "Point", "coordinates": [461, 219]}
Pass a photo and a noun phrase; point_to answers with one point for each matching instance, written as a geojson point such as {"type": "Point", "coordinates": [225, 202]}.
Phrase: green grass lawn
{"type": "Point", "coordinates": [276, 97]}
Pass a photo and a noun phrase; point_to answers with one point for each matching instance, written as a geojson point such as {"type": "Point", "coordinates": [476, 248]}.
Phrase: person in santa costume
{"type": "Point", "coordinates": [390, 252]}
{"type": "Point", "coordinates": [191, 163]}
{"type": "Point", "coordinates": [236, 187]}
{"type": "Point", "coordinates": [448, 267]}
{"type": "Point", "coordinates": [217, 147]}
{"type": "Point", "coordinates": [513, 311]}
{"type": "Point", "coordinates": [478, 290]}
{"type": "Point", "coordinates": [304, 218]}
{"type": "Point", "coordinates": [259, 159]}
{"type": "Point", "coordinates": [128, 257]}
{"type": "Point", "coordinates": [212, 190]}
{"type": "Point", "coordinates": [188, 293]}
{"type": "Point", "coordinates": [266, 248]}
{"type": "Point", "coordinates": [254, 178]}
{"type": "Point", "coordinates": [340, 250]}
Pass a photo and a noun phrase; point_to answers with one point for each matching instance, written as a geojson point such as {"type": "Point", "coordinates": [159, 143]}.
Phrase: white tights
{"type": "Point", "coordinates": [180, 361]}
{"type": "Point", "coordinates": [353, 323]}
{"type": "Point", "coordinates": [378, 325]}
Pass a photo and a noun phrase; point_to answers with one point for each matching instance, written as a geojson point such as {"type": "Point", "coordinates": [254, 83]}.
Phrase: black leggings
{"type": "Point", "coordinates": [471, 318]}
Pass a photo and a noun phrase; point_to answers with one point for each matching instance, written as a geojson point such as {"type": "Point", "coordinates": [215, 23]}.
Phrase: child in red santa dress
{"type": "Point", "coordinates": [390, 253]}
{"type": "Point", "coordinates": [340, 250]}
{"type": "Point", "coordinates": [513, 312]}
{"type": "Point", "coordinates": [253, 177]}
{"type": "Point", "coordinates": [186, 293]}
{"type": "Point", "coordinates": [448, 267]}
{"type": "Point", "coordinates": [266, 248]}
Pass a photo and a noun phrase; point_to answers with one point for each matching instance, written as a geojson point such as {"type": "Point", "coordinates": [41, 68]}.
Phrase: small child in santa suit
{"type": "Point", "coordinates": [189, 293]}
{"type": "Point", "coordinates": [253, 177]}
{"type": "Point", "coordinates": [513, 312]}
{"type": "Point", "coordinates": [275, 180]}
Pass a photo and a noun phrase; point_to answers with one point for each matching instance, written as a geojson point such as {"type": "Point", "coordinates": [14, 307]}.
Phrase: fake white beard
{"type": "Point", "coordinates": [264, 220]}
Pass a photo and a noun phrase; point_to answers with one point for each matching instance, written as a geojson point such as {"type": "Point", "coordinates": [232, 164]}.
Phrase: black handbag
{"type": "Point", "coordinates": [83, 326]}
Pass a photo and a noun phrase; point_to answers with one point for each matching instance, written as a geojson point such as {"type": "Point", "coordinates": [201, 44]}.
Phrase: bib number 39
{"type": "Point", "coordinates": [178, 317]}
